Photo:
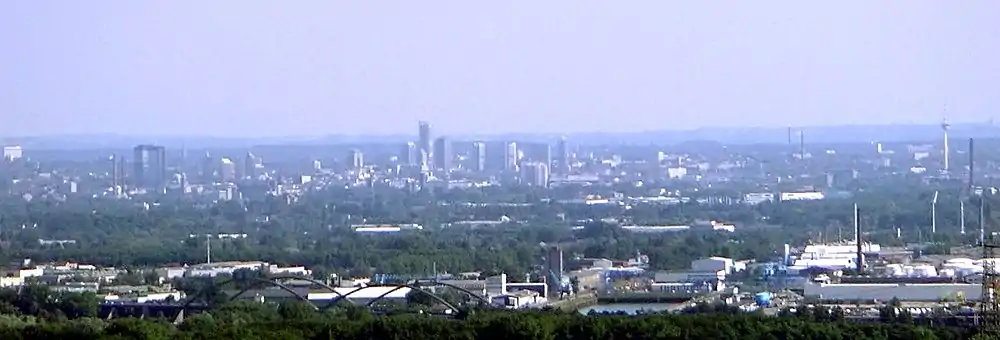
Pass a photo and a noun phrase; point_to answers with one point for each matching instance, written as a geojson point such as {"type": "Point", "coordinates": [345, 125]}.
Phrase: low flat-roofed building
{"type": "Point", "coordinates": [689, 277]}
{"type": "Point", "coordinates": [518, 299]}
{"type": "Point", "coordinates": [11, 281]}
{"type": "Point", "coordinates": [362, 294]}
{"type": "Point", "coordinates": [888, 291]}
{"type": "Point", "coordinates": [223, 268]}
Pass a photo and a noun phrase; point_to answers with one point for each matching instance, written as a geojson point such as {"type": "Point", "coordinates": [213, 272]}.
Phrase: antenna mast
{"type": "Point", "coordinates": [857, 240]}
{"type": "Point", "coordinates": [208, 248]}
{"type": "Point", "coordinates": [961, 217]}
{"type": "Point", "coordinates": [934, 213]}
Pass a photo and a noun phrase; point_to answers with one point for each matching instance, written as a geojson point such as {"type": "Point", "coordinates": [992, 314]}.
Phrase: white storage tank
{"type": "Point", "coordinates": [966, 270]}
{"type": "Point", "coordinates": [955, 265]}
{"type": "Point", "coordinates": [924, 271]}
{"type": "Point", "coordinates": [960, 260]}
{"type": "Point", "coordinates": [907, 271]}
{"type": "Point", "coordinates": [982, 261]}
{"type": "Point", "coordinates": [894, 270]}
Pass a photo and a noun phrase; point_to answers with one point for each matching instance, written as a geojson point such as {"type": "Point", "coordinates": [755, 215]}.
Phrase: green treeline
{"type": "Point", "coordinates": [34, 312]}
{"type": "Point", "coordinates": [315, 231]}
{"type": "Point", "coordinates": [484, 325]}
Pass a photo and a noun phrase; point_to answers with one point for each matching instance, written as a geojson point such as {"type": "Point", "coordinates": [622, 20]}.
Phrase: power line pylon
{"type": "Point", "coordinates": [989, 305]}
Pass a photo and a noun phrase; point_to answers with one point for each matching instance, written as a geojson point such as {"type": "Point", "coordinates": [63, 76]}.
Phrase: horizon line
{"type": "Point", "coordinates": [473, 134]}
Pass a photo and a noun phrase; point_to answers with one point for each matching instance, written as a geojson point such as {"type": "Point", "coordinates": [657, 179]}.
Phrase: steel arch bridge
{"type": "Point", "coordinates": [273, 281]}
{"type": "Point", "coordinates": [417, 286]}
{"type": "Point", "coordinates": [257, 282]}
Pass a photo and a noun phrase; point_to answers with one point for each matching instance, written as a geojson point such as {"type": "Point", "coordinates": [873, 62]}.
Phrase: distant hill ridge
{"type": "Point", "coordinates": [724, 135]}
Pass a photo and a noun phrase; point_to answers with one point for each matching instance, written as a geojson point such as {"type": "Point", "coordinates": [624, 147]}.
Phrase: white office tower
{"type": "Point", "coordinates": [510, 157]}
{"type": "Point", "coordinates": [424, 135]}
{"type": "Point", "coordinates": [227, 169]}
{"type": "Point", "coordinates": [535, 174]}
{"type": "Point", "coordinates": [479, 157]}
{"type": "Point", "coordinates": [410, 154]}
{"type": "Point", "coordinates": [357, 159]}
{"type": "Point", "coordinates": [11, 153]}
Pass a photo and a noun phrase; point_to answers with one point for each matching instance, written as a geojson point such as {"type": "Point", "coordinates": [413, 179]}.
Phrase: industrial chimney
{"type": "Point", "coordinates": [972, 164]}
{"type": "Point", "coordinates": [857, 239]}
{"type": "Point", "coordinates": [785, 259]}
{"type": "Point", "coordinates": [944, 128]}
{"type": "Point", "coordinates": [802, 144]}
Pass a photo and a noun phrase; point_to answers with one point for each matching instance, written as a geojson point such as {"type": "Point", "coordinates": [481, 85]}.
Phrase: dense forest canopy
{"type": "Point", "coordinates": [315, 229]}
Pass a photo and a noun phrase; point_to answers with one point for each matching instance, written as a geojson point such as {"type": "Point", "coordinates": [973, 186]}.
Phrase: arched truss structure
{"type": "Point", "coordinates": [273, 281]}
{"type": "Point", "coordinates": [463, 290]}
{"type": "Point", "coordinates": [257, 282]}
{"type": "Point", "coordinates": [417, 285]}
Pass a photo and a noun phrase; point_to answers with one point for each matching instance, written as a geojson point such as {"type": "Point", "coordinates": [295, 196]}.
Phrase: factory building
{"type": "Point", "coordinates": [708, 273]}
{"type": "Point", "coordinates": [362, 294]}
{"type": "Point", "coordinates": [831, 257]}
{"type": "Point", "coordinates": [518, 299]}
{"type": "Point", "coordinates": [930, 292]}
{"type": "Point", "coordinates": [713, 264]}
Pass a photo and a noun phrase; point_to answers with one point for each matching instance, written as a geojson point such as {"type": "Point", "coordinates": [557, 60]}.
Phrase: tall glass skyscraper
{"type": "Point", "coordinates": [150, 166]}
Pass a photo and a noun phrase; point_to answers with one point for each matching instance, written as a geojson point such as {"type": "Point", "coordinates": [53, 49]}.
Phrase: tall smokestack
{"type": "Point", "coordinates": [790, 147]}
{"type": "Point", "coordinates": [944, 128]}
{"type": "Point", "coordinates": [857, 238]}
{"type": "Point", "coordinates": [972, 164]}
{"type": "Point", "coordinates": [802, 144]}
{"type": "Point", "coordinates": [785, 259]}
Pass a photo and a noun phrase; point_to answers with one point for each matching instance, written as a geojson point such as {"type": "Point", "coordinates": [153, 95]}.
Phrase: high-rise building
{"type": "Point", "coordinates": [207, 170]}
{"type": "Point", "coordinates": [425, 138]}
{"type": "Point", "coordinates": [227, 170]}
{"type": "Point", "coordinates": [150, 166]}
{"type": "Point", "coordinates": [118, 171]}
{"type": "Point", "coordinates": [249, 166]}
{"type": "Point", "coordinates": [425, 161]}
{"type": "Point", "coordinates": [12, 153]}
{"type": "Point", "coordinates": [442, 154]}
{"type": "Point", "coordinates": [546, 155]}
{"type": "Point", "coordinates": [535, 174]}
{"type": "Point", "coordinates": [510, 157]}
{"type": "Point", "coordinates": [410, 154]}
{"type": "Point", "coordinates": [357, 159]}
{"type": "Point", "coordinates": [479, 157]}
{"type": "Point", "coordinates": [561, 165]}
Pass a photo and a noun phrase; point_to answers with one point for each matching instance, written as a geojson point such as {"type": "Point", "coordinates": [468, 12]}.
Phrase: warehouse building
{"type": "Point", "coordinates": [713, 264]}
{"type": "Point", "coordinates": [931, 292]}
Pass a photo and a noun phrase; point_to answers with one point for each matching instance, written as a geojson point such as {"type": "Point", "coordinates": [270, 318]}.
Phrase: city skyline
{"type": "Point", "coordinates": [315, 69]}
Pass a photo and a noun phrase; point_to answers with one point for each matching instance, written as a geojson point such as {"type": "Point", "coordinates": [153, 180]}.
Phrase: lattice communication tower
{"type": "Point", "coordinates": [989, 306]}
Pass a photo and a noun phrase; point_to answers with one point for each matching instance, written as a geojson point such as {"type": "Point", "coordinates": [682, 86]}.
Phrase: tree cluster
{"type": "Point", "coordinates": [315, 230]}
{"type": "Point", "coordinates": [291, 322]}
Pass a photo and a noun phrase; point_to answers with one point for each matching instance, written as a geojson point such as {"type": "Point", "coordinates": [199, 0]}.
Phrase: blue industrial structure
{"type": "Point", "coordinates": [763, 299]}
{"type": "Point", "coordinates": [554, 270]}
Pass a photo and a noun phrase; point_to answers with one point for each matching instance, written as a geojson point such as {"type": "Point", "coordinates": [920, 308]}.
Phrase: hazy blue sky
{"type": "Point", "coordinates": [246, 68]}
